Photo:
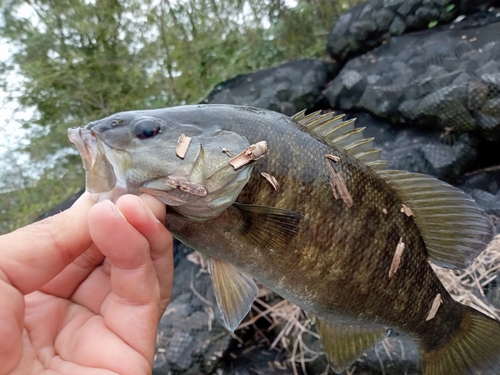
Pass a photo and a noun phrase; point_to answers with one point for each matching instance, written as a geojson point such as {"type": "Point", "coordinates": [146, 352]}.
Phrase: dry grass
{"type": "Point", "coordinates": [293, 323]}
{"type": "Point", "coordinates": [467, 286]}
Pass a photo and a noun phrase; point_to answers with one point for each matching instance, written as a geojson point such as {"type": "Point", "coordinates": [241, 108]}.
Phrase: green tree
{"type": "Point", "coordinates": [81, 60]}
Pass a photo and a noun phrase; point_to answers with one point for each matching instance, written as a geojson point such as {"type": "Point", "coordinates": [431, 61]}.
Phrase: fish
{"type": "Point", "coordinates": [305, 206]}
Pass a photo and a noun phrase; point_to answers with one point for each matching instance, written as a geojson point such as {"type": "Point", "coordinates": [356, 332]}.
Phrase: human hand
{"type": "Point", "coordinates": [82, 292]}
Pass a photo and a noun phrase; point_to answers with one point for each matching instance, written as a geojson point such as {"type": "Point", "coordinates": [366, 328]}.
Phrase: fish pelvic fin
{"type": "Point", "coordinates": [473, 350]}
{"type": "Point", "coordinates": [345, 343]}
{"type": "Point", "coordinates": [234, 292]}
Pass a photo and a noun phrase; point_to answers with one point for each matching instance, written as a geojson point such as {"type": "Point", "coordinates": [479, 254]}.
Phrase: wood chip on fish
{"type": "Point", "coordinates": [396, 259]}
{"type": "Point", "coordinates": [225, 151]}
{"type": "Point", "coordinates": [182, 145]}
{"type": "Point", "coordinates": [272, 180]}
{"type": "Point", "coordinates": [407, 210]}
{"type": "Point", "coordinates": [332, 157]}
{"type": "Point", "coordinates": [384, 210]}
{"type": "Point", "coordinates": [339, 187]}
{"type": "Point", "coordinates": [434, 308]}
{"type": "Point", "coordinates": [251, 153]}
{"type": "Point", "coordinates": [161, 193]}
{"type": "Point", "coordinates": [187, 186]}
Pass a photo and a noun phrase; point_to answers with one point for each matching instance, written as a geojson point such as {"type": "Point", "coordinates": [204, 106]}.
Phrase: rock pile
{"type": "Point", "coordinates": [368, 25]}
{"type": "Point", "coordinates": [446, 78]}
{"type": "Point", "coordinates": [288, 88]}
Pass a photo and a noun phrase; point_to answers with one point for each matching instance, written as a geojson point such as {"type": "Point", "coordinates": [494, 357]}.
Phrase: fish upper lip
{"type": "Point", "coordinates": [86, 142]}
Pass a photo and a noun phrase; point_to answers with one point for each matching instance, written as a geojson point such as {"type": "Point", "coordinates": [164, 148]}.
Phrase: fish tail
{"type": "Point", "coordinates": [473, 350]}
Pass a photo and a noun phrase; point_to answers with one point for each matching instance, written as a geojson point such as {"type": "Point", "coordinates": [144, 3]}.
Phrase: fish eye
{"type": "Point", "coordinates": [147, 129]}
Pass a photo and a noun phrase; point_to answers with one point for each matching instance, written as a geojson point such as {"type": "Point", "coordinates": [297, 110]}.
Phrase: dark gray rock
{"type": "Point", "coordinates": [397, 27]}
{"type": "Point", "coordinates": [484, 187]}
{"type": "Point", "coordinates": [448, 77]}
{"type": "Point", "coordinates": [191, 338]}
{"type": "Point", "coordinates": [490, 202]}
{"type": "Point", "coordinates": [354, 33]}
{"type": "Point", "coordinates": [383, 17]}
{"type": "Point", "coordinates": [288, 88]}
{"type": "Point", "coordinates": [426, 151]}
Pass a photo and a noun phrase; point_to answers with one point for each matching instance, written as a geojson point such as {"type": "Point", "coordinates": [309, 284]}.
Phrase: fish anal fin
{"type": "Point", "coordinates": [234, 292]}
{"type": "Point", "coordinates": [268, 227]}
{"type": "Point", "coordinates": [342, 135]}
{"type": "Point", "coordinates": [345, 343]}
{"type": "Point", "coordinates": [454, 228]}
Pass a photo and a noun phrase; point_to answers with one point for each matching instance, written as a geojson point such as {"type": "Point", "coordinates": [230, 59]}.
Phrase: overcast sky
{"type": "Point", "coordinates": [11, 133]}
{"type": "Point", "coordinates": [10, 130]}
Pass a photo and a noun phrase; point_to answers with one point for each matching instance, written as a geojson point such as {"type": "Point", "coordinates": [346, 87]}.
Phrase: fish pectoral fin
{"type": "Point", "coordinates": [268, 227]}
{"type": "Point", "coordinates": [345, 343]}
{"type": "Point", "coordinates": [234, 292]}
{"type": "Point", "coordinates": [454, 228]}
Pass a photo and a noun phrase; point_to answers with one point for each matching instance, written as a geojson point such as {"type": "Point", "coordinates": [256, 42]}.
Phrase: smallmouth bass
{"type": "Point", "coordinates": [305, 206]}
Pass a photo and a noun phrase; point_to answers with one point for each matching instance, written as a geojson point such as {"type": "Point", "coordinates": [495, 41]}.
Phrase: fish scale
{"type": "Point", "coordinates": [326, 240]}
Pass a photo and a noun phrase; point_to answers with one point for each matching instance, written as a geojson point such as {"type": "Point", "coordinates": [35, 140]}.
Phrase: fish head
{"type": "Point", "coordinates": [136, 151]}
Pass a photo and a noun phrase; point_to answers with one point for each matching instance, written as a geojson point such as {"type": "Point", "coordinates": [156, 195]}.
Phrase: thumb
{"type": "Point", "coordinates": [33, 255]}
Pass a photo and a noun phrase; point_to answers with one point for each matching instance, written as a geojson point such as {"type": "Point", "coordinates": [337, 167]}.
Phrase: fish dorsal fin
{"type": "Point", "coordinates": [343, 135]}
{"type": "Point", "coordinates": [345, 343]}
{"type": "Point", "coordinates": [234, 292]}
{"type": "Point", "coordinates": [454, 228]}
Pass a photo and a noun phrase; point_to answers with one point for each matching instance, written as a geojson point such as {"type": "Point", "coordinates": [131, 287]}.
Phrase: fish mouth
{"type": "Point", "coordinates": [104, 166]}
{"type": "Point", "coordinates": [86, 142]}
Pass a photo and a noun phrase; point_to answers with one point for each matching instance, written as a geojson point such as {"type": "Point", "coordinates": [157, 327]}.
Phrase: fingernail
{"type": "Point", "coordinates": [148, 211]}
{"type": "Point", "coordinates": [115, 209]}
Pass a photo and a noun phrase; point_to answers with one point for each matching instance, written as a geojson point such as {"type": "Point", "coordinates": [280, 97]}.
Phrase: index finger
{"type": "Point", "coordinates": [33, 255]}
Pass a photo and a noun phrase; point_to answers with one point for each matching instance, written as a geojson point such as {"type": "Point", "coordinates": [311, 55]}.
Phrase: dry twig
{"type": "Point", "coordinates": [225, 151]}
{"type": "Point", "coordinates": [407, 210]}
{"type": "Point", "coordinates": [434, 308]}
{"type": "Point", "coordinates": [187, 186]}
{"type": "Point", "coordinates": [332, 157]}
{"type": "Point", "coordinates": [396, 259]}
{"type": "Point", "coordinates": [161, 193]}
{"type": "Point", "coordinates": [272, 180]}
{"type": "Point", "coordinates": [339, 187]}
{"type": "Point", "coordinates": [251, 153]}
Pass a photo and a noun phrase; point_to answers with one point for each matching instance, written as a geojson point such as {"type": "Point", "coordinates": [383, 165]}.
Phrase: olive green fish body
{"type": "Point", "coordinates": [337, 265]}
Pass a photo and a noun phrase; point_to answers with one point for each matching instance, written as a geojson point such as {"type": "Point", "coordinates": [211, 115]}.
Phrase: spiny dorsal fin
{"type": "Point", "coordinates": [454, 228]}
{"type": "Point", "coordinates": [343, 135]}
